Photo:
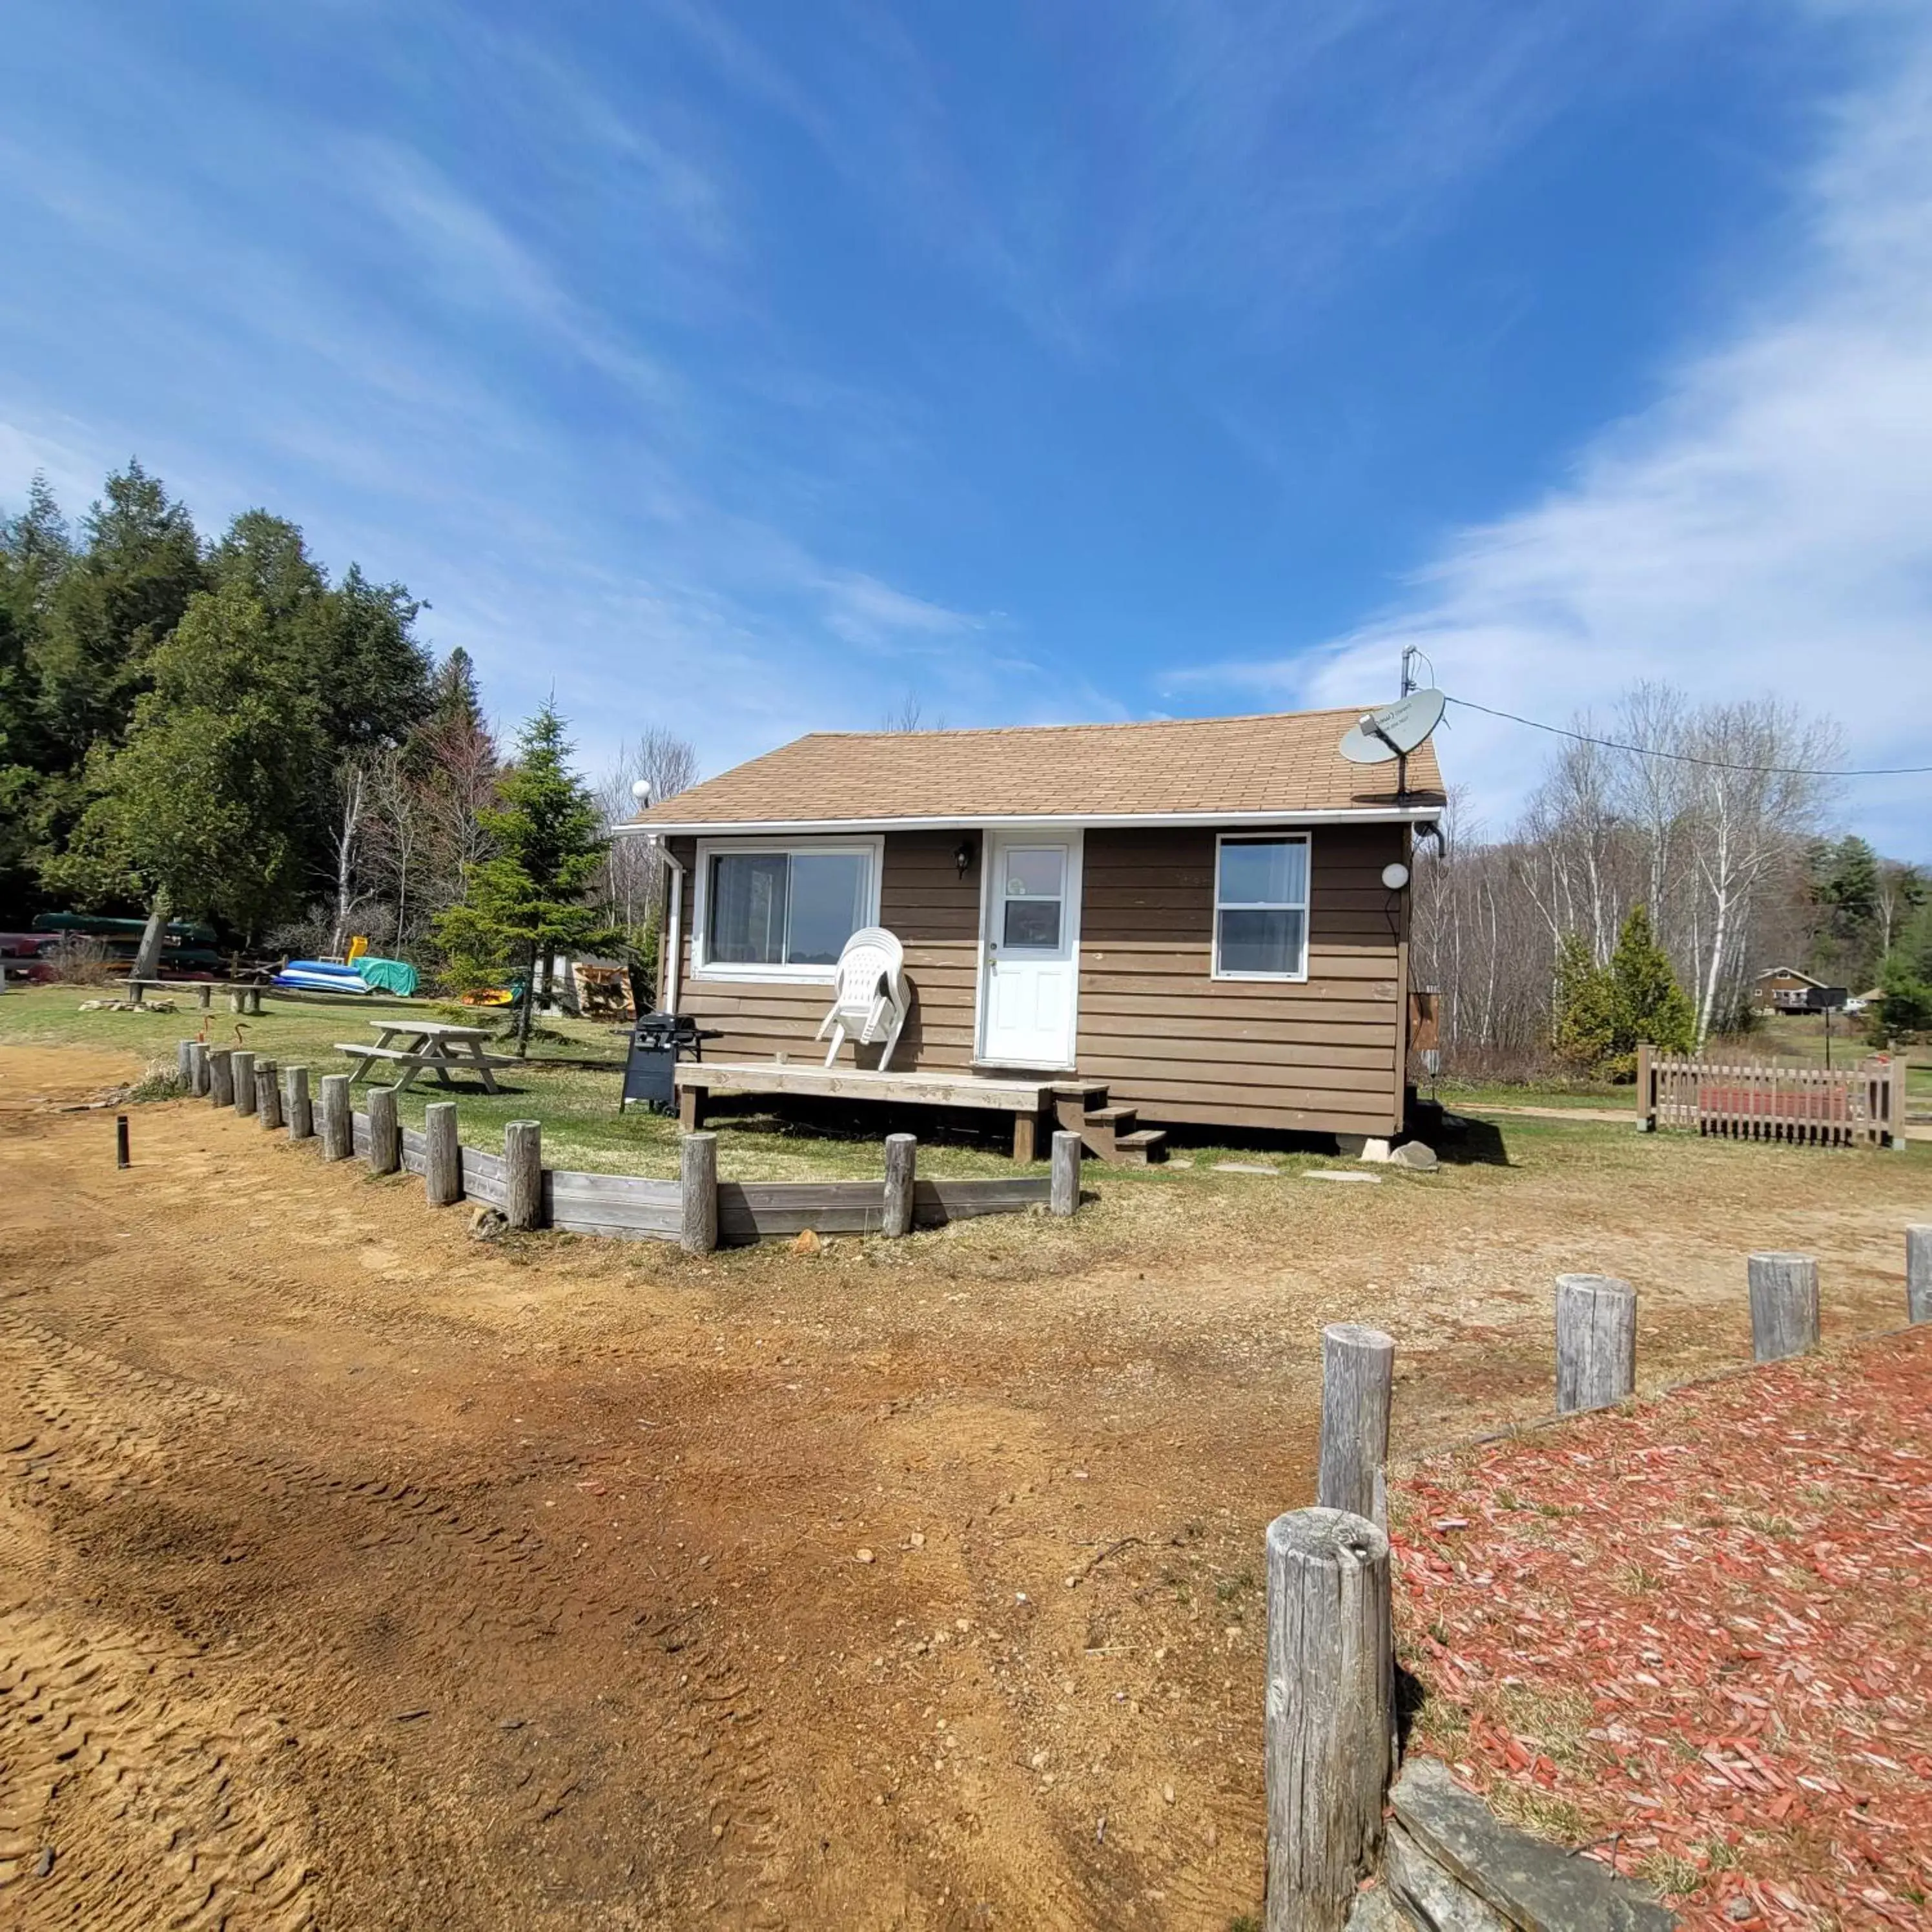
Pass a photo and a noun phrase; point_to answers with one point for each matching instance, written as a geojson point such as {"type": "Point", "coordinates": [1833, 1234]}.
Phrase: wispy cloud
{"type": "Point", "coordinates": [1765, 525]}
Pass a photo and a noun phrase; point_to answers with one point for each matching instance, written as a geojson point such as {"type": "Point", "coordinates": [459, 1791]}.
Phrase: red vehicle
{"type": "Point", "coordinates": [26, 959]}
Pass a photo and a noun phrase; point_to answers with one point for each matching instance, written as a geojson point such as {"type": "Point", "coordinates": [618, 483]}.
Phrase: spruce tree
{"type": "Point", "coordinates": [1583, 1011]}
{"type": "Point", "coordinates": [1647, 1003]}
{"type": "Point", "coordinates": [528, 898]}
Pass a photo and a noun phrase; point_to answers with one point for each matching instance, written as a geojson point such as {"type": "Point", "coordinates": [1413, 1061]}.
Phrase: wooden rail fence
{"type": "Point", "coordinates": [698, 1210]}
{"type": "Point", "coordinates": [1812, 1106]}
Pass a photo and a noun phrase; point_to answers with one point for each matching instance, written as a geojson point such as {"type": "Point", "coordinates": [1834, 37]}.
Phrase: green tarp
{"type": "Point", "coordinates": [388, 976]}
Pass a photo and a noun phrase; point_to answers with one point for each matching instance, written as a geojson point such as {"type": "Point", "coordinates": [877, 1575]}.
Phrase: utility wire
{"type": "Point", "coordinates": [1691, 758]}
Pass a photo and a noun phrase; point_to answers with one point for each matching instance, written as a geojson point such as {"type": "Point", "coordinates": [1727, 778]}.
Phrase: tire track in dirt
{"type": "Point", "coordinates": [108, 1427]}
{"type": "Point", "coordinates": [128, 1799]}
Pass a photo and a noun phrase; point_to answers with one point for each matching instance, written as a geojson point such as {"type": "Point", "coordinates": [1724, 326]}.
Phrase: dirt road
{"type": "Point", "coordinates": [353, 1574]}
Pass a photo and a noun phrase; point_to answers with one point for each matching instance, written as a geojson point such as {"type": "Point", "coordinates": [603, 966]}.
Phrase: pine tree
{"type": "Point", "coordinates": [528, 898]}
{"type": "Point", "coordinates": [1584, 1016]}
{"type": "Point", "coordinates": [1646, 1002]}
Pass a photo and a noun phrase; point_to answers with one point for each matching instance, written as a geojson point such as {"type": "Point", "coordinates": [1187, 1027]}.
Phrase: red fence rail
{"type": "Point", "coordinates": [1758, 1100]}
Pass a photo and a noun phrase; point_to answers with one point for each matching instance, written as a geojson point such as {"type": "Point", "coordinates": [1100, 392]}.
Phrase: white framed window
{"type": "Point", "coordinates": [766, 911]}
{"type": "Point", "coordinates": [1260, 906]}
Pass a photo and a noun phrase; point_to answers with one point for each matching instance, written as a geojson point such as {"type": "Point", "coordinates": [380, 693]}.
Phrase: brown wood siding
{"type": "Point", "coordinates": [936, 914]}
{"type": "Point", "coordinates": [1323, 1055]}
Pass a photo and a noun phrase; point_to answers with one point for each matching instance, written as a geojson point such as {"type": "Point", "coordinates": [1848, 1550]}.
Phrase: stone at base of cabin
{"type": "Point", "coordinates": [1340, 1173]}
{"type": "Point", "coordinates": [1519, 1880]}
{"type": "Point", "coordinates": [487, 1223]}
{"type": "Point", "coordinates": [1362, 1147]}
{"type": "Point", "coordinates": [1416, 1154]}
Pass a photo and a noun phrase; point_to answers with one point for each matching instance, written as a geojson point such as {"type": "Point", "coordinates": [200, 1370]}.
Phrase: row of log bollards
{"type": "Point", "coordinates": [1329, 1724]}
{"type": "Point", "coordinates": [279, 1097]}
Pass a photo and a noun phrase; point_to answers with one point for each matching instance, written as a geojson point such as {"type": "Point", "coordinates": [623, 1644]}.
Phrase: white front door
{"type": "Point", "coordinates": [1030, 997]}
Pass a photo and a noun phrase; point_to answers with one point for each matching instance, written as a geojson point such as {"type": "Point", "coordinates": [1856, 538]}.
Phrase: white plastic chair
{"type": "Point", "coordinates": [872, 999]}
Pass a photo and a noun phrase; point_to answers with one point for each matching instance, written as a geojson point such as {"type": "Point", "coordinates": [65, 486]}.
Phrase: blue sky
{"type": "Point", "coordinates": [744, 367]}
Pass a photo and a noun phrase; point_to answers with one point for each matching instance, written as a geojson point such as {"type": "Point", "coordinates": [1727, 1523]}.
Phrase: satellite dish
{"type": "Point", "coordinates": [1395, 731]}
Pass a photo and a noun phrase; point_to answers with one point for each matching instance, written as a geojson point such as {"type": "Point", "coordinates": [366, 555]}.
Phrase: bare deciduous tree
{"type": "Point", "coordinates": [1700, 814]}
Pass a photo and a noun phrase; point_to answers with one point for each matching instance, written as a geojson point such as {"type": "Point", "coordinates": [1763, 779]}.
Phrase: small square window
{"type": "Point", "coordinates": [1261, 908]}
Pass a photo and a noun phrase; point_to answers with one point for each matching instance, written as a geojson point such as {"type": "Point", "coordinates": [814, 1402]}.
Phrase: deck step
{"type": "Point", "coordinates": [1141, 1148]}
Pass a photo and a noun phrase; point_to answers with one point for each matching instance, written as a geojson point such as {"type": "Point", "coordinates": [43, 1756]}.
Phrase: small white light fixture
{"type": "Point", "coordinates": [1395, 875]}
{"type": "Point", "coordinates": [641, 792]}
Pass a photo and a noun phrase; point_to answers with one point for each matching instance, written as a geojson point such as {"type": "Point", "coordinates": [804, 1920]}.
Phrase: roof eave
{"type": "Point", "coordinates": [1390, 814]}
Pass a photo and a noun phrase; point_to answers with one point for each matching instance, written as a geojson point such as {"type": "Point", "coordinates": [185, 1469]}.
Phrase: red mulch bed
{"type": "Point", "coordinates": [1695, 1636]}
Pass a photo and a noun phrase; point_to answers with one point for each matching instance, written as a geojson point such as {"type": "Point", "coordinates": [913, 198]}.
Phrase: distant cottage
{"type": "Point", "coordinates": [1783, 989]}
{"type": "Point", "coordinates": [1202, 921]}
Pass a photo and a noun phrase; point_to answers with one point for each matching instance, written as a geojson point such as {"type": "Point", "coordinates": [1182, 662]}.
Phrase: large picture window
{"type": "Point", "coordinates": [786, 912]}
{"type": "Point", "coordinates": [1261, 908]}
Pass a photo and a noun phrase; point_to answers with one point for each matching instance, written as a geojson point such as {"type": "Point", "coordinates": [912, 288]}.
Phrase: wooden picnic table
{"type": "Point", "coordinates": [429, 1046]}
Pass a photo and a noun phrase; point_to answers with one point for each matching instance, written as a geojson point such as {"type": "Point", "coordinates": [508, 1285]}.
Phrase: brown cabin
{"type": "Point", "coordinates": [1784, 989]}
{"type": "Point", "coordinates": [1200, 921]}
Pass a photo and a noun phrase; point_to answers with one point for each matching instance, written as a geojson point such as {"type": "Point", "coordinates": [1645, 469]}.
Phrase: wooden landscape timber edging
{"type": "Point", "coordinates": [1808, 1106]}
{"type": "Point", "coordinates": [1327, 1723]}
{"type": "Point", "coordinates": [698, 1210]}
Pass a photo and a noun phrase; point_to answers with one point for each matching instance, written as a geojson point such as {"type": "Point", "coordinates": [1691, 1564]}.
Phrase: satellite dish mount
{"type": "Point", "coordinates": [1396, 729]}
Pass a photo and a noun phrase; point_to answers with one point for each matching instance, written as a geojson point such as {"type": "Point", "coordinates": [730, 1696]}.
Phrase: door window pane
{"type": "Point", "coordinates": [1032, 923]}
{"type": "Point", "coordinates": [828, 905]}
{"type": "Point", "coordinates": [1034, 872]}
{"type": "Point", "coordinates": [1261, 942]}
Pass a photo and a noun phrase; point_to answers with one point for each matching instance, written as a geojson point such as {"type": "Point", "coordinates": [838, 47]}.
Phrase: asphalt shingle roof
{"type": "Point", "coordinates": [1286, 762]}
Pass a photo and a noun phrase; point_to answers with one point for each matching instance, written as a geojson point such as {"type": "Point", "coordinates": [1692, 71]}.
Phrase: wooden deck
{"type": "Point", "coordinates": [1035, 1105]}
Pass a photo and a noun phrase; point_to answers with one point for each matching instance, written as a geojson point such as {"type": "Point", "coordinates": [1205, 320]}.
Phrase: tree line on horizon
{"type": "Point", "coordinates": [217, 730]}
{"type": "Point", "coordinates": [1642, 890]}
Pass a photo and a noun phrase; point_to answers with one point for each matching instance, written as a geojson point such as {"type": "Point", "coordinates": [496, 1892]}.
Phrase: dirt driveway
{"type": "Point", "coordinates": [356, 1575]}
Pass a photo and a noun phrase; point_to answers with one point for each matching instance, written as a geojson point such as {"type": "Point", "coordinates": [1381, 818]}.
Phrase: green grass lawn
{"type": "Point", "coordinates": [582, 1127]}
{"type": "Point", "coordinates": [1473, 1095]}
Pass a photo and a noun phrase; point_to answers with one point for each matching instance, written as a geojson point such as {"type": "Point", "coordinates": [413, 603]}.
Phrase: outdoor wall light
{"type": "Point", "coordinates": [962, 856]}
{"type": "Point", "coordinates": [1395, 875]}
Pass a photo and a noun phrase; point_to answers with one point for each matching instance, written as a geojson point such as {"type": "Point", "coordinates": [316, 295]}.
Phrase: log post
{"type": "Point", "coordinates": [184, 1063]}
{"type": "Point", "coordinates": [385, 1136]}
{"type": "Point", "coordinates": [333, 1119]}
{"type": "Point", "coordinates": [242, 1065]}
{"type": "Point", "coordinates": [237, 1003]}
{"type": "Point", "coordinates": [901, 1161]}
{"type": "Point", "coordinates": [442, 1157]}
{"type": "Point", "coordinates": [1064, 1175]}
{"type": "Point", "coordinates": [1918, 1274]}
{"type": "Point", "coordinates": [1783, 1305]}
{"type": "Point", "coordinates": [205, 989]}
{"type": "Point", "coordinates": [198, 1067]}
{"type": "Point", "coordinates": [221, 1076]}
{"type": "Point", "coordinates": [1596, 1341]}
{"type": "Point", "coordinates": [1330, 1723]}
{"type": "Point", "coordinates": [698, 1171]}
{"type": "Point", "coordinates": [268, 1095]}
{"type": "Point", "coordinates": [1646, 1088]}
{"type": "Point", "coordinates": [1357, 1383]}
{"type": "Point", "coordinates": [523, 1174]}
{"type": "Point", "coordinates": [296, 1108]}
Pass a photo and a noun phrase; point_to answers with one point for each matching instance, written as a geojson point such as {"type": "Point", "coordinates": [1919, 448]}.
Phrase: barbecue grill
{"type": "Point", "coordinates": [658, 1041]}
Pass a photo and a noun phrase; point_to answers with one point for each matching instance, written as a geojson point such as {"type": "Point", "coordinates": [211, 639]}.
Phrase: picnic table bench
{"type": "Point", "coordinates": [430, 1046]}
